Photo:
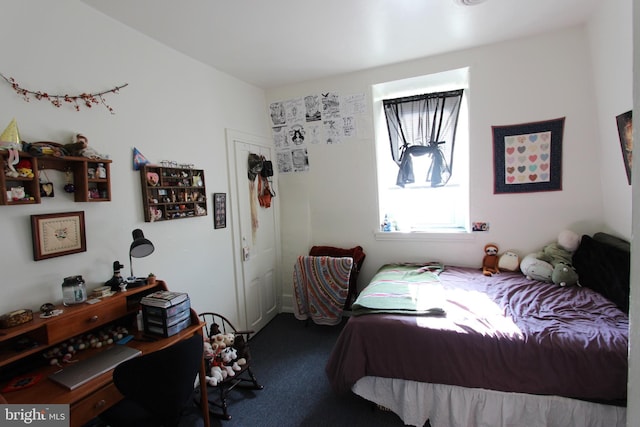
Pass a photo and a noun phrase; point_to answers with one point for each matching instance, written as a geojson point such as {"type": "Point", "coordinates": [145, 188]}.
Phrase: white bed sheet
{"type": "Point", "coordinates": [449, 406]}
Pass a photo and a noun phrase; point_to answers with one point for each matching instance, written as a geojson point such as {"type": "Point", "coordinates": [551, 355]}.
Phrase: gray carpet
{"type": "Point", "coordinates": [289, 358]}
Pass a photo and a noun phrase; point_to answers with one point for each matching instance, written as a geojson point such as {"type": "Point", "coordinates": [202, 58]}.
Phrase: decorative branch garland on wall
{"type": "Point", "coordinates": [86, 99]}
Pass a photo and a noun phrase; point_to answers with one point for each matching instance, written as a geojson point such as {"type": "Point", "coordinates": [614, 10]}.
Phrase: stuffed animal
{"type": "Point", "coordinates": [243, 350]}
{"type": "Point", "coordinates": [228, 339]}
{"type": "Point", "coordinates": [80, 148]}
{"type": "Point", "coordinates": [490, 260]}
{"type": "Point", "coordinates": [210, 353]}
{"type": "Point", "coordinates": [218, 369]}
{"type": "Point", "coordinates": [509, 261]}
{"type": "Point", "coordinates": [564, 275]}
{"type": "Point", "coordinates": [218, 340]}
{"type": "Point", "coordinates": [229, 358]}
{"type": "Point", "coordinates": [209, 350]}
{"type": "Point", "coordinates": [553, 262]}
{"type": "Point", "coordinates": [214, 329]}
{"type": "Point", "coordinates": [227, 370]}
{"type": "Point", "coordinates": [216, 377]}
{"type": "Point", "coordinates": [24, 168]}
{"type": "Point", "coordinates": [536, 269]}
{"type": "Point", "coordinates": [223, 340]}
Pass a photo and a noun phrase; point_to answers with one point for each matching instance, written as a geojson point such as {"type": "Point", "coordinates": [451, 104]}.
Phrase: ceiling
{"type": "Point", "coordinates": [271, 43]}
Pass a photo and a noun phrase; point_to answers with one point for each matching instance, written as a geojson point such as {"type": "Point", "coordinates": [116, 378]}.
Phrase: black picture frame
{"type": "Point", "coordinates": [527, 157]}
{"type": "Point", "coordinates": [625, 133]}
{"type": "Point", "coordinates": [219, 210]}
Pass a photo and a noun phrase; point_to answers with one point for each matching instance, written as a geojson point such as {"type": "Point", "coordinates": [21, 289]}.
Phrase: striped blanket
{"type": "Point", "coordinates": [320, 285]}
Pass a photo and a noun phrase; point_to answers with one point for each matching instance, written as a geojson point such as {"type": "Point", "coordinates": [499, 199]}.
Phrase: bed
{"type": "Point", "coordinates": [475, 350]}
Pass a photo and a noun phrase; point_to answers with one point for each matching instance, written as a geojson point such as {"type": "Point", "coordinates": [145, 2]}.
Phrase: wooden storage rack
{"type": "Point", "coordinates": [78, 166]}
{"type": "Point", "coordinates": [179, 193]}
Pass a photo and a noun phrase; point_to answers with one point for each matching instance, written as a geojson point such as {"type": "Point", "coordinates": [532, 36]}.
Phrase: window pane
{"type": "Point", "coordinates": [418, 206]}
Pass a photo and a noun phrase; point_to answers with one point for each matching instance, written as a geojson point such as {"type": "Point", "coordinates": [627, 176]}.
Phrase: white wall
{"type": "Point", "coordinates": [532, 79]}
{"type": "Point", "coordinates": [174, 108]}
{"type": "Point", "coordinates": [610, 40]}
{"type": "Point", "coordinates": [614, 59]}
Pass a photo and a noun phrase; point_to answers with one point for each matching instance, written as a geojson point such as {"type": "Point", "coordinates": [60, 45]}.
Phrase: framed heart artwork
{"type": "Point", "coordinates": [528, 157]}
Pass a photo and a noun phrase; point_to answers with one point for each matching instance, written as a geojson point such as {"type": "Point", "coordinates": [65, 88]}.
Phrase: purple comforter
{"type": "Point", "coordinates": [504, 333]}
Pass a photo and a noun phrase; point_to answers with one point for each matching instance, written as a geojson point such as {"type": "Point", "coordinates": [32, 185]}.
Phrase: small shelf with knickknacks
{"type": "Point", "coordinates": [98, 182]}
{"type": "Point", "coordinates": [172, 192]}
{"type": "Point", "coordinates": [88, 179]}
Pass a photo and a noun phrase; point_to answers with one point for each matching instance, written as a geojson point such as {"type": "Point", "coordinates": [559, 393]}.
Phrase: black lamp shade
{"type": "Point", "coordinates": [140, 247]}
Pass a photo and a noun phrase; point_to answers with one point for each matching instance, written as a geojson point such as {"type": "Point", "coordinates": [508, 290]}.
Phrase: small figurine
{"type": "Point", "coordinates": [116, 281]}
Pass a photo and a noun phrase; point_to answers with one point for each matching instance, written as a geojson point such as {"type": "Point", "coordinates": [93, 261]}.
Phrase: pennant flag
{"type": "Point", "coordinates": [139, 159]}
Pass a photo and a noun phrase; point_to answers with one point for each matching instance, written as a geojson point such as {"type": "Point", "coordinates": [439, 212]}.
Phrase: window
{"type": "Point", "coordinates": [423, 204]}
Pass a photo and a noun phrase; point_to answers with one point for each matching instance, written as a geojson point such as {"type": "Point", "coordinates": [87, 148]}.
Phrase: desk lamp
{"type": "Point", "coordinates": [140, 247]}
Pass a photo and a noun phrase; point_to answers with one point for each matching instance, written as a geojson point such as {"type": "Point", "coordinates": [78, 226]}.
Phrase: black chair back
{"type": "Point", "coordinates": [162, 382]}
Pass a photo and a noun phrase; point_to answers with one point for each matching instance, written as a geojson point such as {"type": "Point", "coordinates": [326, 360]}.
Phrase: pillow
{"type": "Point", "coordinates": [604, 266]}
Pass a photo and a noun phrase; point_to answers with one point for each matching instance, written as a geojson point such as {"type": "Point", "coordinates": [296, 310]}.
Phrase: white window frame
{"type": "Point", "coordinates": [438, 82]}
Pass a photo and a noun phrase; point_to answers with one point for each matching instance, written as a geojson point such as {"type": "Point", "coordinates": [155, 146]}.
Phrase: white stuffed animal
{"type": "Point", "coordinates": [509, 261]}
{"type": "Point", "coordinates": [536, 269]}
{"type": "Point", "coordinates": [229, 357]}
{"type": "Point", "coordinates": [216, 377]}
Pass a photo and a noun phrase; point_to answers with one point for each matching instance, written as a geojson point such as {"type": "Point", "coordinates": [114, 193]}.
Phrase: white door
{"type": "Point", "coordinates": [256, 236]}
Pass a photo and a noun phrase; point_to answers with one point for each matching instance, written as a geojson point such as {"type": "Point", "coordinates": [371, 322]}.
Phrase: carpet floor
{"type": "Point", "coordinates": [289, 358]}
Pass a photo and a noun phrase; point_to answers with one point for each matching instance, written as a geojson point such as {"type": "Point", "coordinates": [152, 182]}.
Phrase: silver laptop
{"type": "Point", "coordinates": [76, 374]}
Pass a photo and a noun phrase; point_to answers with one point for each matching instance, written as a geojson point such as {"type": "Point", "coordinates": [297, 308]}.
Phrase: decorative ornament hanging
{"type": "Point", "coordinates": [86, 99]}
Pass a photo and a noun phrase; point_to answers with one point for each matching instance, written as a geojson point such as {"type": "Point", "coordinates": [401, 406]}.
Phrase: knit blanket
{"type": "Point", "coordinates": [321, 285]}
{"type": "Point", "coordinates": [402, 289]}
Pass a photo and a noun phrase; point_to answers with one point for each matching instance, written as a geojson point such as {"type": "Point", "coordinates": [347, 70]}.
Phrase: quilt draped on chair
{"type": "Point", "coordinates": [321, 285]}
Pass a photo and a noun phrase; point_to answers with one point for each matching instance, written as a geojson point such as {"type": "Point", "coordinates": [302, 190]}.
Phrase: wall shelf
{"type": "Point", "coordinates": [172, 193]}
{"type": "Point", "coordinates": [87, 189]}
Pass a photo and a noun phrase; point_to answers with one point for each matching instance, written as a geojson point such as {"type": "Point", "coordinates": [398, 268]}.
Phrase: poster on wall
{"type": "Point", "coordinates": [325, 118]}
{"type": "Point", "coordinates": [528, 157]}
{"type": "Point", "coordinates": [625, 133]}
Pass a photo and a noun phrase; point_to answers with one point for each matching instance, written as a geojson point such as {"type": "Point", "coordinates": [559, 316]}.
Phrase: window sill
{"type": "Point", "coordinates": [450, 236]}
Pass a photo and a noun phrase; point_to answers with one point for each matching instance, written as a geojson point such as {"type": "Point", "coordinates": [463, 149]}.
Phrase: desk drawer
{"type": "Point", "coordinates": [84, 320]}
{"type": "Point", "coordinates": [94, 404]}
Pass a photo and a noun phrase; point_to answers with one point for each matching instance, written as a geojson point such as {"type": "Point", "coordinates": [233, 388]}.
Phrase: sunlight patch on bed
{"type": "Point", "coordinates": [467, 312]}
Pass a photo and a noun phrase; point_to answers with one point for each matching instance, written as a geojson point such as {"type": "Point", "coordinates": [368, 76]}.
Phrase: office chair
{"type": "Point", "coordinates": [215, 323]}
{"type": "Point", "coordinates": [157, 388]}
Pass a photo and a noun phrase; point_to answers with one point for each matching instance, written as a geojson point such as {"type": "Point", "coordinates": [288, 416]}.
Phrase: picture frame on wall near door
{"type": "Point", "coordinates": [219, 210]}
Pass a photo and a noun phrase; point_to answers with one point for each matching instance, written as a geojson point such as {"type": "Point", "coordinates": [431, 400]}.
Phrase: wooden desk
{"type": "Point", "coordinates": [90, 399]}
